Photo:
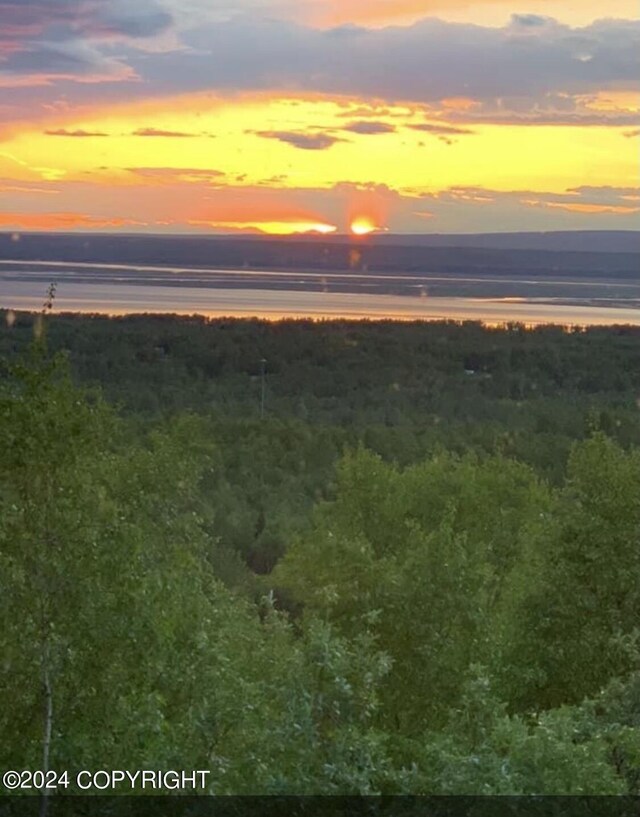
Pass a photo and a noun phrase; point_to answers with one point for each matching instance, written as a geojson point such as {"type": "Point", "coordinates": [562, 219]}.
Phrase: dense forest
{"type": "Point", "coordinates": [334, 557]}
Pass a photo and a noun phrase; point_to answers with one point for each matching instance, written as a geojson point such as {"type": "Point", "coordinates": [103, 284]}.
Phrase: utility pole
{"type": "Point", "coordinates": [263, 363]}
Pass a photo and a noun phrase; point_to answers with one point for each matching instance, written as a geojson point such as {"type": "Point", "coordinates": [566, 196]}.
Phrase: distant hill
{"type": "Point", "coordinates": [605, 254]}
{"type": "Point", "coordinates": [568, 241]}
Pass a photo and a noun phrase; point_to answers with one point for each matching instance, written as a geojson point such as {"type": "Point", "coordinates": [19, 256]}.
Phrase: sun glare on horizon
{"type": "Point", "coordinates": [276, 228]}
{"type": "Point", "coordinates": [363, 226]}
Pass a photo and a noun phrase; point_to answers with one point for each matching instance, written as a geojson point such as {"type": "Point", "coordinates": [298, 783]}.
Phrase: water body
{"type": "Point", "coordinates": [119, 289]}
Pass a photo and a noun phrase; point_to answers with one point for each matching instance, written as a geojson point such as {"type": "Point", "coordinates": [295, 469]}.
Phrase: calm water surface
{"type": "Point", "coordinates": [119, 289]}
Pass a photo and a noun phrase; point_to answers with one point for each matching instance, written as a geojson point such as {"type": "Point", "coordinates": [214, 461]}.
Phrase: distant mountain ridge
{"type": "Point", "coordinates": [561, 241]}
{"type": "Point", "coordinates": [605, 254]}
{"type": "Point", "coordinates": [553, 241]}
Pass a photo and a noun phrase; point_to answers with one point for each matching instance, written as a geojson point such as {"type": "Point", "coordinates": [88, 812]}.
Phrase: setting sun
{"type": "Point", "coordinates": [363, 226]}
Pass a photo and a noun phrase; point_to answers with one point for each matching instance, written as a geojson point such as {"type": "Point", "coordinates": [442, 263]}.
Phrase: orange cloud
{"type": "Point", "coordinates": [379, 12]}
{"type": "Point", "coordinates": [170, 134]}
{"type": "Point", "coordinates": [78, 133]}
{"type": "Point", "coordinates": [333, 13]}
{"type": "Point", "coordinates": [589, 209]}
{"type": "Point", "coordinates": [459, 103]}
{"type": "Point", "coordinates": [120, 73]}
{"type": "Point", "coordinates": [61, 221]}
{"type": "Point", "coordinates": [172, 175]}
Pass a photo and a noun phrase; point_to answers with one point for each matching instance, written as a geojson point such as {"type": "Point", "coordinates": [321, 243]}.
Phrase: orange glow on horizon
{"type": "Point", "coordinates": [269, 227]}
{"type": "Point", "coordinates": [64, 221]}
{"type": "Point", "coordinates": [363, 226]}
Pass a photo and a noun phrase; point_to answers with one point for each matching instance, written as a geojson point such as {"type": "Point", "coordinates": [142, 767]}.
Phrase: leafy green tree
{"type": "Point", "coordinates": [121, 648]}
{"type": "Point", "coordinates": [108, 601]}
{"type": "Point", "coordinates": [576, 593]}
{"type": "Point", "coordinates": [418, 558]}
{"type": "Point", "coordinates": [484, 751]}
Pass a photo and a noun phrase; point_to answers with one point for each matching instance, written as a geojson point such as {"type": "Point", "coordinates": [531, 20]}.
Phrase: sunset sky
{"type": "Point", "coordinates": [284, 116]}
